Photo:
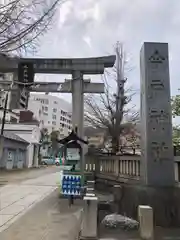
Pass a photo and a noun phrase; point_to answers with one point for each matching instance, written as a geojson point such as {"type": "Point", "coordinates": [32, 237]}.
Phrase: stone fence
{"type": "Point", "coordinates": [124, 171]}
{"type": "Point", "coordinates": [124, 168]}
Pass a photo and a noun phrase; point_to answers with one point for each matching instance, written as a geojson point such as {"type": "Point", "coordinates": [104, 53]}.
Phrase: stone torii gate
{"type": "Point", "coordinates": [77, 86]}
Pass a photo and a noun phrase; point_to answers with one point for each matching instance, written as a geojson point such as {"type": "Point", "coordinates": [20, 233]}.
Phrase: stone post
{"type": "Point", "coordinates": [157, 160]}
{"type": "Point", "coordinates": [117, 195]}
{"type": "Point", "coordinates": [146, 226]}
{"type": "Point", "coordinates": [89, 222]}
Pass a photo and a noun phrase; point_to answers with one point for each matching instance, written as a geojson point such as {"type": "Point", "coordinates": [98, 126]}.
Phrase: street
{"type": "Point", "coordinates": [31, 208]}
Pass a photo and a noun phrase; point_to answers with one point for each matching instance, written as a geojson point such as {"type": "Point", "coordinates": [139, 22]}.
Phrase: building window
{"type": "Point", "coordinates": [54, 117]}
{"type": "Point", "coordinates": [54, 110]}
{"type": "Point", "coordinates": [63, 113]}
{"type": "Point", "coordinates": [43, 101]}
{"type": "Point", "coordinates": [46, 109]}
{"type": "Point", "coordinates": [53, 123]}
{"type": "Point", "coordinates": [10, 156]}
{"type": "Point", "coordinates": [45, 114]}
{"type": "Point", "coordinates": [42, 107]}
{"type": "Point", "coordinates": [55, 102]}
{"type": "Point", "coordinates": [48, 122]}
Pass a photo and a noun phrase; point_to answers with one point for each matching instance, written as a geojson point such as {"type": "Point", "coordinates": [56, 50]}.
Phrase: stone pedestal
{"type": "Point", "coordinates": [163, 200]}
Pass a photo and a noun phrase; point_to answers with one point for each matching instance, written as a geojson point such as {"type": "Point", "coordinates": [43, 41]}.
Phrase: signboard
{"type": "Point", "coordinates": [71, 185]}
{"type": "Point", "coordinates": [25, 72]}
{"type": "Point", "coordinates": [73, 154]}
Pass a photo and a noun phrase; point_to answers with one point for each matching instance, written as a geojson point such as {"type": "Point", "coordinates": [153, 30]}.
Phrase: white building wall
{"type": "Point", "coordinates": [30, 155]}
{"type": "Point", "coordinates": [37, 108]}
{"type": "Point", "coordinates": [30, 133]}
{"type": "Point", "coordinates": [53, 113]}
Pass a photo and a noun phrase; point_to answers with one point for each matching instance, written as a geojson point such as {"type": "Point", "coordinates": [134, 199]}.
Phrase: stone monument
{"type": "Point", "coordinates": [157, 160]}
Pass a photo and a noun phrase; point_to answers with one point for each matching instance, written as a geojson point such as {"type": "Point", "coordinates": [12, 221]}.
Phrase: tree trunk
{"type": "Point", "coordinates": [115, 144]}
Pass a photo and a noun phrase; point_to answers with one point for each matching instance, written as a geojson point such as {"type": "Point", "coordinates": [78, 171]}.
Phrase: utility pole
{"type": "Point", "coordinates": [4, 113]}
{"type": "Point", "coordinates": [5, 110]}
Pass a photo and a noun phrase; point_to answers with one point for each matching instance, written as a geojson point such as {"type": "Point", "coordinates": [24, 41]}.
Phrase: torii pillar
{"type": "Point", "coordinates": [78, 85]}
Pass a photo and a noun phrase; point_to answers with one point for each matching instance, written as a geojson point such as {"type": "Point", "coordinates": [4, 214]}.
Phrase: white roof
{"type": "Point", "coordinates": [20, 127]}
{"type": "Point", "coordinates": [30, 133]}
{"type": "Point", "coordinates": [28, 137]}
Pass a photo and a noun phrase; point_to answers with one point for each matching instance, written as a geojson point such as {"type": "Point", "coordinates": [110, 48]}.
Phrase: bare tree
{"type": "Point", "coordinates": [54, 137]}
{"type": "Point", "coordinates": [22, 22]}
{"type": "Point", "coordinates": [110, 111]}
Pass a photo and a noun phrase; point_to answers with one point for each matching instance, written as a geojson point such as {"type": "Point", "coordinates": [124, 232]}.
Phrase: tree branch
{"type": "Point", "coordinates": [22, 22]}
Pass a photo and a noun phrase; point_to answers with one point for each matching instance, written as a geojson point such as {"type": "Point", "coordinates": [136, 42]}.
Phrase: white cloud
{"type": "Point", "coordinates": [63, 12]}
{"type": "Point", "coordinates": [91, 28]}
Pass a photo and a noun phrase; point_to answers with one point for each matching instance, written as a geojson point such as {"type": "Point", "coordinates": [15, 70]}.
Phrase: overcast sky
{"type": "Point", "coordinates": [87, 28]}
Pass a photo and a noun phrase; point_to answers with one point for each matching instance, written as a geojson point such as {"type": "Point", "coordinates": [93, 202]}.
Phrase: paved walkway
{"type": "Point", "coordinates": [18, 175]}
{"type": "Point", "coordinates": [16, 199]}
{"type": "Point", "coordinates": [49, 219]}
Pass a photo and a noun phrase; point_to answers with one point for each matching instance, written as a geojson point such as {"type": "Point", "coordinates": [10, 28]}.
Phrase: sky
{"type": "Point", "coordinates": [90, 28]}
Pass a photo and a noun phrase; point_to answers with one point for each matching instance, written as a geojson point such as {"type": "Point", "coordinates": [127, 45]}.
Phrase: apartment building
{"type": "Point", "coordinates": [16, 99]}
{"type": "Point", "coordinates": [52, 112]}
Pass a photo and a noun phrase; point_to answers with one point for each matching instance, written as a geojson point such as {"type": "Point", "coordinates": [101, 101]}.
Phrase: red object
{"type": "Point", "coordinates": [63, 160]}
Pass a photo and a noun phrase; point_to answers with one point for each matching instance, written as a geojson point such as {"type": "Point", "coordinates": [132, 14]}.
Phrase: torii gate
{"type": "Point", "coordinates": [77, 86]}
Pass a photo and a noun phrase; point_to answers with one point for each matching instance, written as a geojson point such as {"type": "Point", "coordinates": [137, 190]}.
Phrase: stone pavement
{"type": "Point", "coordinates": [49, 219]}
{"type": "Point", "coordinates": [19, 175]}
{"type": "Point", "coordinates": [16, 199]}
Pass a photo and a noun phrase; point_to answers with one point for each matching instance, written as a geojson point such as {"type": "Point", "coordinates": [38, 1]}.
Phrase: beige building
{"type": "Point", "coordinates": [53, 113]}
